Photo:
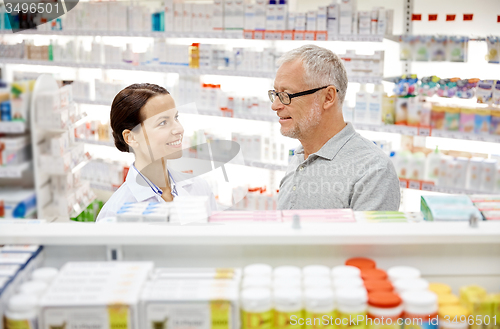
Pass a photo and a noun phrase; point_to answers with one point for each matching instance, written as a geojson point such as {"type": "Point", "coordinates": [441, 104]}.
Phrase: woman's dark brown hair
{"type": "Point", "coordinates": [126, 108]}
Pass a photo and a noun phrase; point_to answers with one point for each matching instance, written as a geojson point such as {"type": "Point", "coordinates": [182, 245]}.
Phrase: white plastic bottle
{"type": "Point", "coordinates": [316, 270]}
{"type": "Point", "coordinates": [256, 308]}
{"type": "Point", "coordinates": [351, 304]}
{"type": "Point", "coordinates": [36, 288]}
{"type": "Point", "coordinates": [432, 166]}
{"type": "Point", "coordinates": [403, 285]}
{"type": "Point", "coordinates": [256, 282]}
{"type": "Point", "coordinates": [287, 307]}
{"type": "Point", "coordinates": [22, 312]}
{"type": "Point", "coordinates": [320, 308]}
{"type": "Point", "coordinates": [417, 167]}
{"type": "Point", "coordinates": [343, 271]}
{"type": "Point", "coordinates": [403, 272]}
{"type": "Point", "coordinates": [317, 282]}
{"type": "Point", "coordinates": [287, 271]}
{"type": "Point", "coordinates": [361, 108]}
{"type": "Point", "coordinates": [421, 306]}
{"type": "Point", "coordinates": [258, 270]}
{"type": "Point", "coordinates": [45, 274]}
{"type": "Point", "coordinates": [347, 283]}
{"type": "Point", "coordinates": [375, 105]}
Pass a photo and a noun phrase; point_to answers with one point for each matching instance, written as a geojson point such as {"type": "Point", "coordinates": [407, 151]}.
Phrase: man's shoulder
{"type": "Point", "coordinates": [363, 150]}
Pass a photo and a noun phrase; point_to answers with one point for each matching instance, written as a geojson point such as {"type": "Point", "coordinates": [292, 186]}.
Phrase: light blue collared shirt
{"type": "Point", "coordinates": [132, 191]}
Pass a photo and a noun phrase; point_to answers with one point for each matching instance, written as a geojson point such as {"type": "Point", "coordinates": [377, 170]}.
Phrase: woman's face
{"type": "Point", "coordinates": [160, 133]}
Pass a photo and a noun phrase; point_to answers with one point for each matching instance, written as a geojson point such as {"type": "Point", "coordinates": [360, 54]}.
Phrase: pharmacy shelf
{"type": "Point", "coordinates": [426, 132]}
{"type": "Point", "coordinates": [265, 165]}
{"type": "Point", "coordinates": [252, 234]}
{"type": "Point", "coordinates": [94, 142]}
{"type": "Point", "coordinates": [199, 35]}
{"type": "Point", "coordinates": [185, 71]}
{"type": "Point", "coordinates": [12, 127]}
{"type": "Point", "coordinates": [103, 186]}
{"type": "Point", "coordinates": [14, 171]}
{"type": "Point", "coordinates": [430, 187]}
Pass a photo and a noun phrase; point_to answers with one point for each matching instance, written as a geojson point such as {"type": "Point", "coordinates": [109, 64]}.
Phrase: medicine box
{"type": "Point", "coordinates": [95, 295]}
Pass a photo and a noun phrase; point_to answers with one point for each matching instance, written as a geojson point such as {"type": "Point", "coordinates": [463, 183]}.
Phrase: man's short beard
{"type": "Point", "coordinates": [308, 123]}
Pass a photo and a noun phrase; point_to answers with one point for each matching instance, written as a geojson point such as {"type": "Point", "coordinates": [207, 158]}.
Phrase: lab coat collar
{"type": "Point", "coordinates": [142, 191]}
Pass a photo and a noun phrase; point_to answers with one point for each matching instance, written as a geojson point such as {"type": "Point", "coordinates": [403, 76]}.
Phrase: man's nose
{"type": "Point", "coordinates": [277, 105]}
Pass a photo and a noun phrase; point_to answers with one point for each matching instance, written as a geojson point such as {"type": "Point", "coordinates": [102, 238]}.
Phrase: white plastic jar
{"type": "Point", "coordinates": [288, 307]}
{"type": "Point", "coordinates": [22, 312]}
{"type": "Point", "coordinates": [287, 271]}
{"type": "Point", "coordinates": [315, 271]}
{"type": "Point", "coordinates": [347, 283]}
{"type": "Point", "coordinates": [404, 285]}
{"type": "Point", "coordinates": [319, 308]}
{"type": "Point", "coordinates": [256, 306]}
{"type": "Point", "coordinates": [402, 272]}
{"type": "Point", "coordinates": [351, 304]}
{"type": "Point", "coordinates": [45, 274]}
{"type": "Point", "coordinates": [420, 307]}
{"type": "Point", "coordinates": [258, 270]}
{"type": "Point", "coordinates": [256, 282]}
{"type": "Point", "coordinates": [345, 271]}
{"type": "Point", "coordinates": [317, 282]}
{"type": "Point", "coordinates": [280, 283]}
{"type": "Point", "coordinates": [385, 310]}
{"type": "Point", "coordinates": [36, 288]}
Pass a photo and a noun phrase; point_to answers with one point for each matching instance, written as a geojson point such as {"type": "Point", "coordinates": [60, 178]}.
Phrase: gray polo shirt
{"type": "Point", "coordinates": [349, 171]}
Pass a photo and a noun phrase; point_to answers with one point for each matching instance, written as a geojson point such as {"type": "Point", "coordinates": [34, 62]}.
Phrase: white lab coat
{"type": "Point", "coordinates": [131, 191]}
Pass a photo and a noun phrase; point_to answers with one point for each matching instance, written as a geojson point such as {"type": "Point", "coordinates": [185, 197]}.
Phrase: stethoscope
{"type": "Point", "coordinates": [155, 188]}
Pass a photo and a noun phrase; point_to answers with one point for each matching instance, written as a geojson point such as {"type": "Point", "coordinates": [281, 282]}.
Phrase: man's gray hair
{"type": "Point", "coordinates": [322, 67]}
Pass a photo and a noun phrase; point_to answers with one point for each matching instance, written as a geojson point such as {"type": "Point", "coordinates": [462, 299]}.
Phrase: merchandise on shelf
{"type": "Point", "coordinates": [489, 205]}
{"type": "Point", "coordinates": [17, 203]}
{"type": "Point", "coordinates": [448, 208]}
{"type": "Point", "coordinates": [334, 19]}
{"type": "Point", "coordinates": [433, 48]}
{"type": "Point", "coordinates": [15, 150]}
{"type": "Point", "coordinates": [493, 55]}
{"type": "Point", "coordinates": [462, 172]}
{"type": "Point", "coordinates": [15, 100]}
{"type": "Point", "coordinates": [104, 174]}
{"type": "Point", "coordinates": [94, 131]}
{"type": "Point", "coordinates": [259, 148]}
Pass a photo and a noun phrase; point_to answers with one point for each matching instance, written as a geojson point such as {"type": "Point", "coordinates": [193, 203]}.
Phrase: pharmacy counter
{"type": "Point", "coordinates": [450, 252]}
{"type": "Point", "coordinates": [487, 232]}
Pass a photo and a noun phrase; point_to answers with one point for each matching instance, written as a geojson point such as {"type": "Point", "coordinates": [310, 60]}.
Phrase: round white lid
{"type": "Point", "coordinates": [287, 271]}
{"type": "Point", "coordinates": [319, 281]}
{"type": "Point", "coordinates": [258, 295]}
{"type": "Point", "coordinates": [287, 296]}
{"type": "Point", "coordinates": [316, 297]}
{"type": "Point", "coordinates": [46, 274]}
{"type": "Point", "coordinates": [258, 269]}
{"type": "Point", "coordinates": [354, 296]}
{"type": "Point", "coordinates": [419, 298]}
{"type": "Point", "coordinates": [316, 270]}
{"type": "Point", "coordinates": [403, 272]}
{"type": "Point", "coordinates": [342, 283]}
{"type": "Point", "coordinates": [346, 271]}
{"type": "Point", "coordinates": [22, 303]}
{"type": "Point", "coordinates": [33, 287]}
{"type": "Point", "coordinates": [256, 281]}
{"type": "Point", "coordinates": [411, 284]}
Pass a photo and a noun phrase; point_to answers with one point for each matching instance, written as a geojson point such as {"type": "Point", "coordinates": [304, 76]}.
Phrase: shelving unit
{"type": "Point", "coordinates": [47, 210]}
{"type": "Point", "coordinates": [451, 252]}
{"type": "Point", "coordinates": [14, 171]}
{"type": "Point", "coordinates": [199, 35]}
{"type": "Point", "coordinates": [12, 127]}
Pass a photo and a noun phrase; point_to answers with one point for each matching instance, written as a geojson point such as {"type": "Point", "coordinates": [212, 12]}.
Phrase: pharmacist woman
{"type": "Point", "coordinates": [145, 122]}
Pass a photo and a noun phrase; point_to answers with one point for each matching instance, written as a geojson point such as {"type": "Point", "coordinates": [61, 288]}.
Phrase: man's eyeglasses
{"type": "Point", "coordinates": [286, 98]}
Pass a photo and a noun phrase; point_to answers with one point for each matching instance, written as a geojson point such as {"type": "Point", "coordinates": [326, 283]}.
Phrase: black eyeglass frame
{"type": "Point", "coordinates": [271, 94]}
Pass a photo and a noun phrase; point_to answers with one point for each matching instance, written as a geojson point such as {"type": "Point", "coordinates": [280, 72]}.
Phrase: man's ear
{"type": "Point", "coordinates": [331, 97]}
{"type": "Point", "coordinates": [129, 138]}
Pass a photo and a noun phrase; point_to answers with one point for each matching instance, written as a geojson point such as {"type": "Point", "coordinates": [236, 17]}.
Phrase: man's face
{"type": "Point", "coordinates": [300, 118]}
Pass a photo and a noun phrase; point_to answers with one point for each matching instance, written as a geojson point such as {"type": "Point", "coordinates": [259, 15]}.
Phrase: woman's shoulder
{"type": "Point", "coordinates": [121, 196]}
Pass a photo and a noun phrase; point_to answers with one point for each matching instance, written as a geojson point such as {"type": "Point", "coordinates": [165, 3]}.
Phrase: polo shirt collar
{"type": "Point", "coordinates": [334, 144]}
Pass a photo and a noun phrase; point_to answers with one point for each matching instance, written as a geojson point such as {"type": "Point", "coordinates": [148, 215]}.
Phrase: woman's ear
{"type": "Point", "coordinates": [129, 138]}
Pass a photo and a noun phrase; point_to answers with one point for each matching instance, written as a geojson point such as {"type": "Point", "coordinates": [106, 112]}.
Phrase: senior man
{"type": "Point", "coordinates": [334, 167]}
